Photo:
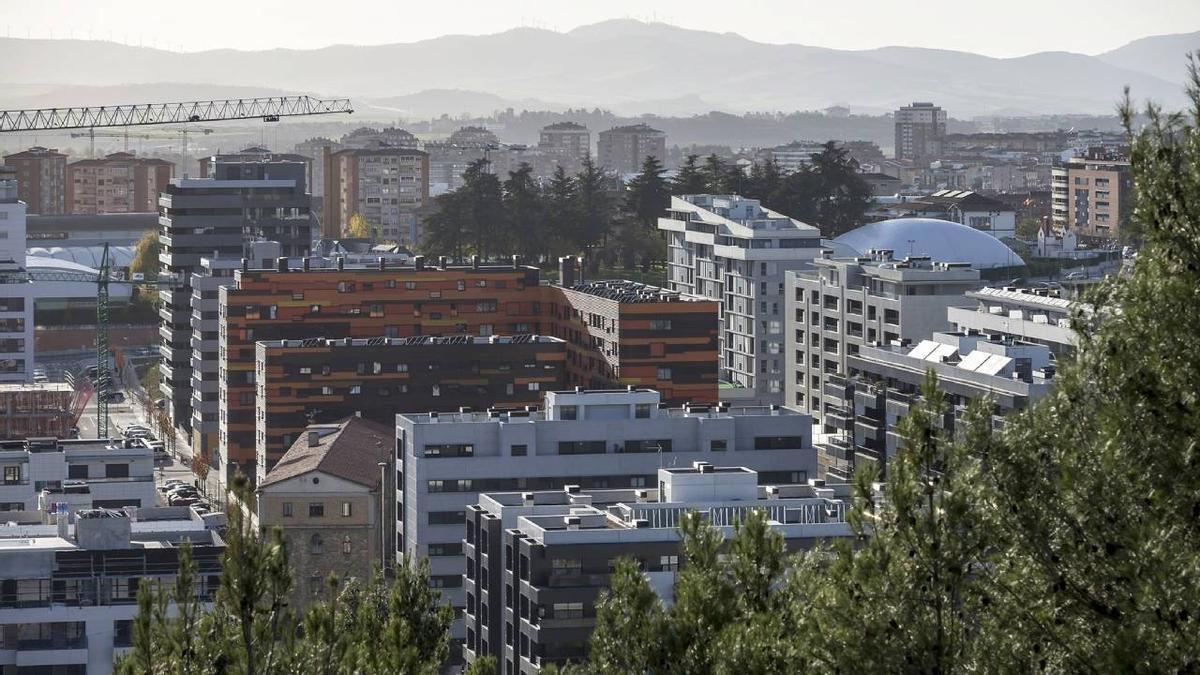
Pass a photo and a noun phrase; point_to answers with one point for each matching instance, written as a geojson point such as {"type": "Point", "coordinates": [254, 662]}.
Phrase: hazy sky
{"type": "Point", "coordinates": [1010, 28]}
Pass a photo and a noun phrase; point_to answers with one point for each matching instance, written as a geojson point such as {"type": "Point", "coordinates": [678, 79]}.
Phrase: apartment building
{"type": "Point", "coordinates": [629, 333]}
{"type": "Point", "coordinates": [41, 179]}
{"type": "Point", "coordinates": [595, 439]}
{"type": "Point", "coordinates": [733, 250]}
{"type": "Point", "coordinates": [119, 183]}
{"type": "Point", "coordinates": [68, 592]}
{"type": "Point", "coordinates": [16, 288]}
{"type": "Point", "coordinates": [301, 382]}
{"type": "Point", "coordinates": [920, 132]}
{"type": "Point", "coordinates": [623, 149]}
{"type": "Point", "coordinates": [884, 382]}
{"type": "Point", "coordinates": [248, 158]}
{"type": "Point", "coordinates": [965, 207]}
{"type": "Point", "coordinates": [1037, 315]}
{"type": "Point", "coordinates": [791, 157]}
{"type": "Point", "coordinates": [397, 301]}
{"type": "Point", "coordinates": [566, 144]}
{"type": "Point", "coordinates": [205, 320]}
{"type": "Point", "coordinates": [617, 333]}
{"type": "Point", "coordinates": [103, 473]}
{"type": "Point", "coordinates": [844, 305]}
{"type": "Point", "coordinates": [1091, 197]}
{"type": "Point", "coordinates": [537, 562]}
{"type": "Point", "coordinates": [386, 186]}
{"type": "Point", "coordinates": [325, 495]}
{"type": "Point", "coordinates": [215, 218]}
{"type": "Point", "coordinates": [314, 148]}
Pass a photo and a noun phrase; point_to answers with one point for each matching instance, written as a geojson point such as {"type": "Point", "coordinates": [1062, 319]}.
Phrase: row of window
{"type": "Point", "coordinates": [317, 509]}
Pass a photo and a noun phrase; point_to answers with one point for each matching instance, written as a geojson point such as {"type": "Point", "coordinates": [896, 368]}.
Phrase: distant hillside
{"type": "Point", "coordinates": [625, 64]}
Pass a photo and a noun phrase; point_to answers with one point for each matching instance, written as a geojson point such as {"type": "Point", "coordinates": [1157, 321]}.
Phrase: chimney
{"type": "Point", "coordinates": [314, 438]}
{"type": "Point", "coordinates": [571, 489]}
{"type": "Point", "coordinates": [341, 262]}
{"type": "Point", "coordinates": [419, 263]}
{"type": "Point", "coordinates": [572, 522]}
{"type": "Point", "coordinates": [566, 271]}
{"type": "Point", "coordinates": [475, 261]}
{"type": "Point", "coordinates": [382, 264]}
{"type": "Point", "coordinates": [527, 498]}
{"type": "Point", "coordinates": [245, 264]}
{"type": "Point", "coordinates": [516, 262]}
{"type": "Point", "coordinates": [307, 263]}
{"type": "Point", "coordinates": [443, 262]}
{"type": "Point", "coordinates": [281, 265]}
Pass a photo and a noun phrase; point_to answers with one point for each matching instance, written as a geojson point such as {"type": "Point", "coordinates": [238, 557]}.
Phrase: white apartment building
{"type": "Point", "coordinates": [1035, 315]}
{"type": "Point", "coordinates": [85, 473]}
{"type": "Point", "coordinates": [596, 439]}
{"type": "Point", "coordinates": [68, 591]}
{"type": "Point", "coordinates": [731, 249]}
{"type": "Point", "coordinates": [16, 289]}
{"type": "Point", "coordinates": [842, 305]}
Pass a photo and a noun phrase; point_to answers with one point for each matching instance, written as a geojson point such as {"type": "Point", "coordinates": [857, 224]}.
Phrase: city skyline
{"type": "Point", "coordinates": [875, 23]}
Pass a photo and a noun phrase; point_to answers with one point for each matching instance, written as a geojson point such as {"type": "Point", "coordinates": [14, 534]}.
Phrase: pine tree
{"type": "Point", "coordinates": [629, 624]}
{"type": "Point", "coordinates": [689, 180]}
{"type": "Point", "coordinates": [594, 209]}
{"type": "Point", "coordinates": [563, 229]}
{"type": "Point", "coordinates": [525, 211]}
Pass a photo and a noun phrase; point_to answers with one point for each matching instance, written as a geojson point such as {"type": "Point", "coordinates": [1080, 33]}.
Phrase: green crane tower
{"type": "Point", "coordinates": [103, 376]}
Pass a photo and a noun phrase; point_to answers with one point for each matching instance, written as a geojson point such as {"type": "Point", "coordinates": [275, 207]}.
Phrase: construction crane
{"type": "Point", "coordinates": [142, 114]}
{"type": "Point", "coordinates": [181, 133]}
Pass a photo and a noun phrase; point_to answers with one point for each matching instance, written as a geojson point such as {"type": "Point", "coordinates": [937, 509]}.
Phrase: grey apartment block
{"type": "Point", "coordinates": [1038, 315]}
{"type": "Point", "coordinates": [538, 561]}
{"type": "Point", "coordinates": [843, 305]}
{"type": "Point", "coordinates": [206, 283]}
{"type": "Point", "coordinates": [214, 218]}
{"type": "Point", "coordinates": [731, 249]}
{"type": "Point", "coordinates": [885, 381]}
{"type": "Point", "coordinates": [593, 438]}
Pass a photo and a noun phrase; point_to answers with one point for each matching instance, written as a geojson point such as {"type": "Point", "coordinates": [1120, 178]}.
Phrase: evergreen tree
{"type": "Point", "coordinates": [646, 198]}
{"type": "Point", "coordinates": [690, 179]}
{"type": "Point", "coordinates": [525, 212]}
{"type": "Point", "coordinates": [716, 173]}
{"type": "Point", "coordinates": [483, 208]}
{"type": "Point", "coordinates": [594, 209]}
{"type": "Point", "coordinates": [629, 624]}
{"type": "Point", "coordinates": [563, 229]}
{"type": "Point", "coordinates": [842, 196]}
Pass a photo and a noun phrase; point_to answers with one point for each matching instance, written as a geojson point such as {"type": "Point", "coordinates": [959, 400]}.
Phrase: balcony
{"type": "Point", "coordinates": [839, 419]}
{"type": "Point", "coordinates": [838, 387]}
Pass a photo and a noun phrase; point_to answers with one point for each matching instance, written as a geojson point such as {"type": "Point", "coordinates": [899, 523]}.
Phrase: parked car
{"type": "Point", "coordinates": [169, 484]}
{"type": "Point", "coordinates": [183, 501]}
{"type": "Point", "coordinates": [1075, 276]}
{"type": "Point", "coordinates": [181, 491]}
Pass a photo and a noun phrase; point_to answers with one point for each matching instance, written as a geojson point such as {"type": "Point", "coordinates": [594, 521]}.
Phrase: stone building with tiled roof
{"type": "Point", "coordinates": [324, 495]}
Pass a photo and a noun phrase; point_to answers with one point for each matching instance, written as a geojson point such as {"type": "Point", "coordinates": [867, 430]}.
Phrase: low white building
{"type": "Point", "coordinates": [68, 592]}
{"type": "Point", "coordinates": [16, 289]}
{"type": "Point", "coordinates": [38, 473]}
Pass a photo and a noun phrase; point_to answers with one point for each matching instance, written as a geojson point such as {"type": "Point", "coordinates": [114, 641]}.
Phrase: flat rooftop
{"type": "Point", "coordinates": [624, 291]}
{"type": "Point", "coordinates": [413, 341]}
{"type": "Point", "coordinates": [34, 387]}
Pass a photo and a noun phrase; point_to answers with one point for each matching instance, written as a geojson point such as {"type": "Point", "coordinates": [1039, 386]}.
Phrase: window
{"type": "Point", "coordinates": [12, 474]}
{"type": "Point", "coordinates": [778, 442]}
{"type": "Point", "coordinates": [565, 567]}
{"type": "Point", "coordinates": [74, 471]}
{"type": "Point", "coordinates": [520, 450]}
{"type": "Point", "coordinates": [316, 510]}
{"type": "Point", "coordinates": [447, 517]}
{"type": "Point", "coordinates": [440, 550]}
{"type": "Point", "coordinates": [660, 324]}
{"type": "Point", "coordinates": [116, 471]}
{"type": "Point", "coordinates": [287, 509]}
{"type": "Point", "coordinates": [346, 546]}
{"type": "Point", "coordinates": [717, 445]}
{"type": "Point", "coordinates": [347, 509]}
{"type": "Point", "coordinates": [535, 386]}
{"type": "Point", "coordinates": [567, 610]}
{"type": "Point", "coordinates": [668, 563]}
{"type": "Point", "coordinates": [356, 389]}
{"type": "Point", "coordinates": [581, 447]}
{"type": "Point", "coordinates": [641, 411]}
{"type": "Point", "coordinates": [450, 450]}
{"type": "Point", "coordinates": [485, 306]}
{"type": "Point", "coordinates": [315, 543]}
{"type": "Point", "coordinates": [401, 367]}
{"type": "Point", "coordinates": [568, 412]}
{"type": "Point", "coordinates": [664, 373]}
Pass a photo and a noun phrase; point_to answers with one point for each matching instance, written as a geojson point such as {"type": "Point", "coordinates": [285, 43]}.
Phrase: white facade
{"type": "Point", "coordinates": [596, 439]}
{"type": "Point", "coordinates": [85, 473]}
{"type": "Point", "coordinates": [731, 249]}
{"type": "Point", "coordinates": [16, 289]}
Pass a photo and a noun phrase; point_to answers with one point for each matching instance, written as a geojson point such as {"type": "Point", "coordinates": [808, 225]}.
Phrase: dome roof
{"type": "Point", "coordinates": [119, 256]}
{"type": "Point", "coordinates": [942, 240]}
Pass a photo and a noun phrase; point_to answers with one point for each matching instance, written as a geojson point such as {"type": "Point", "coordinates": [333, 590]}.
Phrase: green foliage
{"type": "Point", "coordinates": [393, 626]}
{"type": "Point", "coordinates": [145, 255]}
{"type": "Point", "coordinates": [629, 622]}
{"type": "Point", "coordinates": [485, 665]}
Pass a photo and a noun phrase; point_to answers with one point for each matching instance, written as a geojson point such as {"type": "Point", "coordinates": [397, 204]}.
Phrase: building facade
{"type": "Point", "coordinates": [844, 305]}
{"type": "Point", "coordinates": [617, 333]}
{"type": "Point", "coordinates": [884, 382]}
{"type": "Point", "coordinates": [920, 132]}
{"type": "Point", "coordinates": [1037, 315]}
{"type": "Point", "coordinates": [301, 382]}
{"type": "Point", "coordinates": [108, 473]}
{"type": "Point", "coordinates": [591, 438]}
{"type": "Point", "coordinates": [623, 149]}
{"type": "Point", "coordinates": [215, 218]}
{"type": "Point", "coordinates": [119, 183]}
{"type": "Point", "coordinates": [68, 592]}
{"type": "Point", "coordinates": [325, 497]}
{"type": "Point", "coordinates": [564, 144]}
{"type": "Point", "coordinates": [1091, 197]}
{"type": "Point", "coordinates": [41, 179]}
{"type": "Point", "coordinates": [386, 186]}
{"type": "Point", "coordinates": [734, 251]}
{"type": "Point", "coordinates": [538, 562]}
{"type": "Point", "coordinates": [205, 304]}
{"type": "Point", "coordinates": [16, 288]}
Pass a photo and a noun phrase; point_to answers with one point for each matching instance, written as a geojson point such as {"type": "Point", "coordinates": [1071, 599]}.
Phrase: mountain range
{"type": "Point", "coordinates": [624, 65]}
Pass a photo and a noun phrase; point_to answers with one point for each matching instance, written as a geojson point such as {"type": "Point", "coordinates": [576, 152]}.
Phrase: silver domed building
{"type": "Point", "coordinates": [942, 240]}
